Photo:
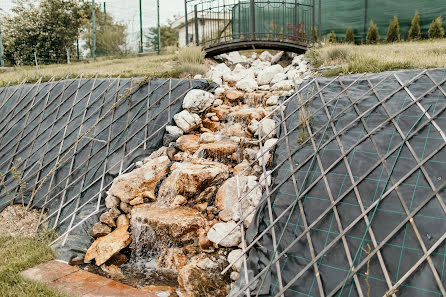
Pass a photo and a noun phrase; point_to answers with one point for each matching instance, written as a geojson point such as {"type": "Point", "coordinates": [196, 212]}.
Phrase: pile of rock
{"type": "Point", "coordinates": [187, 192]}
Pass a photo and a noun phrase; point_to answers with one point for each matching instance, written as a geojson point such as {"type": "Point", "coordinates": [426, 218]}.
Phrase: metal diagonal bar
{"type": "Point", "coordinates": [318, 220]}
{"type": "Point", "coordinates": [390, 236]}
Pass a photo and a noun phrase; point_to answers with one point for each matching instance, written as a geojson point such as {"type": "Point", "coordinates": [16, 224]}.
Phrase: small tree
{"type": "Point", "coordinates": [393, 33]}
{"type": "Point", "coordinates": [169, 37]}
{"type": "Point", "coordinates": [415, 29]}
{"type": "Point", "coordinates": [332, 37]}
{"type": "Point", "coordinates": [350, 35]}
{"type": "Point", "coordinates": [372, 34]}
{"type": "Point", "coordinates": [436, 29]}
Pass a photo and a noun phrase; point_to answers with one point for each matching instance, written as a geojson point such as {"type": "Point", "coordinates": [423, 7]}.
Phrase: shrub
{"type": "Point", "coordinates": [315, 34]}
{"type": "Point", "coordinates": [393, 33]}
{"type": "Point", "coordinates": [415, 29]}
{"type": "Point", "coordinates": [191, 55]}
{"type": "Point", "coordinates": [350, 35]}
{"type": "Point", "coordinates": [332, 37]}
{"type": "Point", "coordinates": [337, 55]}
{"type": "Point", "coordinates": [315, 58]}
{"type": "Point", "coordinates": [436, 29]}
{"type": "Point", "coordinates": [372, 34]}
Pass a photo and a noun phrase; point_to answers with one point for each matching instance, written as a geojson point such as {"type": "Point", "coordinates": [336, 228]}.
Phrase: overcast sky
{"type": "Point", "coordinates": [127, 12]}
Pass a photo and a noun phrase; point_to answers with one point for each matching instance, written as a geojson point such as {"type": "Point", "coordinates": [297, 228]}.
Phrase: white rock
{"type": "Point", "coordinates": [218, 102]}
{"type": "Point", "coordinates": [197, 100]}
{"type": "Point", "coordinates": [264, 154]}
{"type": "Point", "coordinates": [284, 85]}
{"type": "Point", "coordinates": [265, 182]}
{"type": "Point", "coordinates": [207, 137]}
{"type": "Point", "coordinates": [253, 126]}
{"type": "Point", "coordinates": [239, 73]}
{"type": "Point", "coordinates": [198, 76]}
{"type": "Point", "coordinates": [267, 128]}
{"type": "Point", "coordinates": [221, 233]}
{"type": "Point", "coordinates": [218, 92]}
{"type": "Point", "coordinates": [292, 74]}
{"type": "Point", "coordinates": [257, 66]}
{"type": "Point", "coordinates": [276, 58]}
{"type": "Point", "coordinates": [265, 88]}
{"type": "Point", "coordinates": [234, 256]}
{"type": "Point", "coordinates": [174, 131]}
{"type": "Point", "coordinates": [187, 121]}
{"type": "Point", "coordinates": [297, 59]}
{"type": "Point", "coordinates": [267, 74]}
{"type": "Point", "coordinates": [235, 57]}
{"type": "Point", "coordinates": [266, 56]}
{"type": "Point", "coordinates": [247, 84]}
{"type": "Point", "coordinates": [112, 201]}
{"type": "Point", "coordinates": [273, 100]}
{"type": "Point", "coordinates": [207, 263]}
{"type": "Point", "coordinates": [279, 77]}
{"type": "Point", "coordinates": [234, 276]}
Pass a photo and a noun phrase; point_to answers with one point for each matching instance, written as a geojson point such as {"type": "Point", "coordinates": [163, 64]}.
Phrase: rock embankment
{"type": "Point", "coordinates": [186, 195]}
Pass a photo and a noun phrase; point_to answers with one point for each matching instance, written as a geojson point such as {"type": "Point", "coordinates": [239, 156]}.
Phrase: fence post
{"type": "Point", "coordinates": [313, 27]}
{"type": "Point", "coordinates": [186, 22]}
{"type": "Point", "coordinates": [140, 28]}
{"type": "Point", "coordinates": [159, 26]}
{"type": "Point", "coordinates": [320, 20]}
{"type": "Point", "coordinates": [2, 63]}
{"type": "Point", "coordinates": [94, 28]}
{"type": "Point", "coordinates": [197, 38]}
{"type": "Point", "coordinates": [253, 19]}
{"type": "Point", "coordinates": [365, 18]}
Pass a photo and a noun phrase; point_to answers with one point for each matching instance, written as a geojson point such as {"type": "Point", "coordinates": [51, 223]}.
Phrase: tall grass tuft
{"type": "Point", "coordinates": [191, 55]}
{"type": "Point", "coordinates": [436, 29]}
{"type": "Point", "coordinates": [332, 37]}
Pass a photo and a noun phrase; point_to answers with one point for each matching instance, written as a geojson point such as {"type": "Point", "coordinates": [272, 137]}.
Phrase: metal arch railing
{"type": "Point", "coordinates": [217, 22]}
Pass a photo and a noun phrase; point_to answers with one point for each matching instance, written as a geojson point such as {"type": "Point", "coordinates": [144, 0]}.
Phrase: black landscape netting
{"type": "Point", "coordinates": [357, 201]}
{"type": "Point", "coordinates": [63, 142]}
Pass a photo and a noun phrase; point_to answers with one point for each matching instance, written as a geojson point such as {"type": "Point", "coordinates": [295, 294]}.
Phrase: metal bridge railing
{"type": "Point", "coordinates": [215, 22]}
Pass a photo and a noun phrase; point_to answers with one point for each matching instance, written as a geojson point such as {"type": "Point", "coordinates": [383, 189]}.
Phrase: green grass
{"type": "Point", "coordinates": [18, 254]}
{"type": "Point", "coordinates": [144, 66]}
{"type": "Point", "coordinates": [380, 57]}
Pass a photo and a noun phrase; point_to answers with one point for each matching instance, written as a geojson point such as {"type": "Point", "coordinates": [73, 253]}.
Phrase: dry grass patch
{"type": "Point", "coordinates": [145, 66]}
{"type": "Point", "coordinates": [380, 57]}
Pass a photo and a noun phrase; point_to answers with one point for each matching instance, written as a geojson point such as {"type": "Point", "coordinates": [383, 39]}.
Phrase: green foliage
{"type": "Point", "coordinates": [336, 55]}
{"type": "Point", "coordinates": [315, 34]}
{"type": "Point", "coordinates": [169, 37]}
{"type": "Point", "coordinates": [332, 37]}
{"type": "Point", "coordinates": [48, 29]}
{"type": "Point", "coordinates": [350, 35]}
{"type": "Point", "coordinates": [372, 34]}
{"type": "Point", "coordinates": [110, 36]}
{"type": "Point", "coordinates": [191, 55]}
{"type": "Point", "coordinates": [18, 254]}
{"type": "Point", "coordinates": [436, 29]}
{"type": "Point", "coordinates": [393, 32]}
{"type": "Point", "coordinates": [415, 29]}
{"type": "Point", "coordinates": [315, 58]}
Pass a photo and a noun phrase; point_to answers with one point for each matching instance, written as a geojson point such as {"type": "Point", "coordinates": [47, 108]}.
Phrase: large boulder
{"type": "Point", "coordinates": [131, 185]}
{"type": "Point", "coordinates": [188, 143]}
{"type": "Point", "coordinates": [225, 234]}
{"type": "Point", "coordinates": [197, 101]}
{"type": "Point", "coordinates": [235, 58]}
{"type": "Point", "coordinates": [264, 154]}
{"type": "Point", "coordinates": [247, 84]}
{"type": "Point", "coordinates": [187, 121]}
{"type": "Point", "coordinates": [178, 224]}
{"type": "Point", "coordinates": [220, 149]}
{"type": "Point", "coordinates": [284, 85]}
{"type": "Point", "coordinates": [267, 74]}
{"type": "Point", "coordinates": [266, 56]}
{"type": "Point", "coordinates": [266, 128]}
{"type": "Point", "coordinates": [107, 246]}
{"type": "Point", "coordinates": [189, 179]}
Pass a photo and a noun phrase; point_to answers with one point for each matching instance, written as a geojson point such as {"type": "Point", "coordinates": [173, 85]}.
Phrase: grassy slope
{"type": "Point", "coordinates": [146, 66]}
{"type": "Point", "coordinates": [18, 254]}
{"type": "Point", "coordinates": [381, 57]}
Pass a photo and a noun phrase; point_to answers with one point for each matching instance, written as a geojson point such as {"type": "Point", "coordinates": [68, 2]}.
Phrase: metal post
{"type": "Point", "coordinates": [105, 9]}
{"type": "Point", "coordinates": [253, 19]}
{"type": "Point", "coordinates": [313, 27]}
{"type": "Point", "coordinates": [93, 7]}
{"type": "Point", "coordinates": [186, 22]}
{"type": "Point", "coordinates": [140, 28]}
{"type": "Point", "coordinates": [320, 20]}
{"type": "Point", "coordinates": [159, 26]}
{"type": "Point", "coordinates": [365, 18]}
{"type": "Point", "coordinates": [77, 49]}
{"type": "Point", "coordinates": [2, 63]}
{"type": "Point", "coordinates": [197, 38]}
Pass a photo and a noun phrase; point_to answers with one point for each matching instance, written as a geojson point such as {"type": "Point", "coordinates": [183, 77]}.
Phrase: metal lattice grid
{"type": "Point", "coordinates": [70, 138]}
{"type": "Point", "coordinates": [356, 207]}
